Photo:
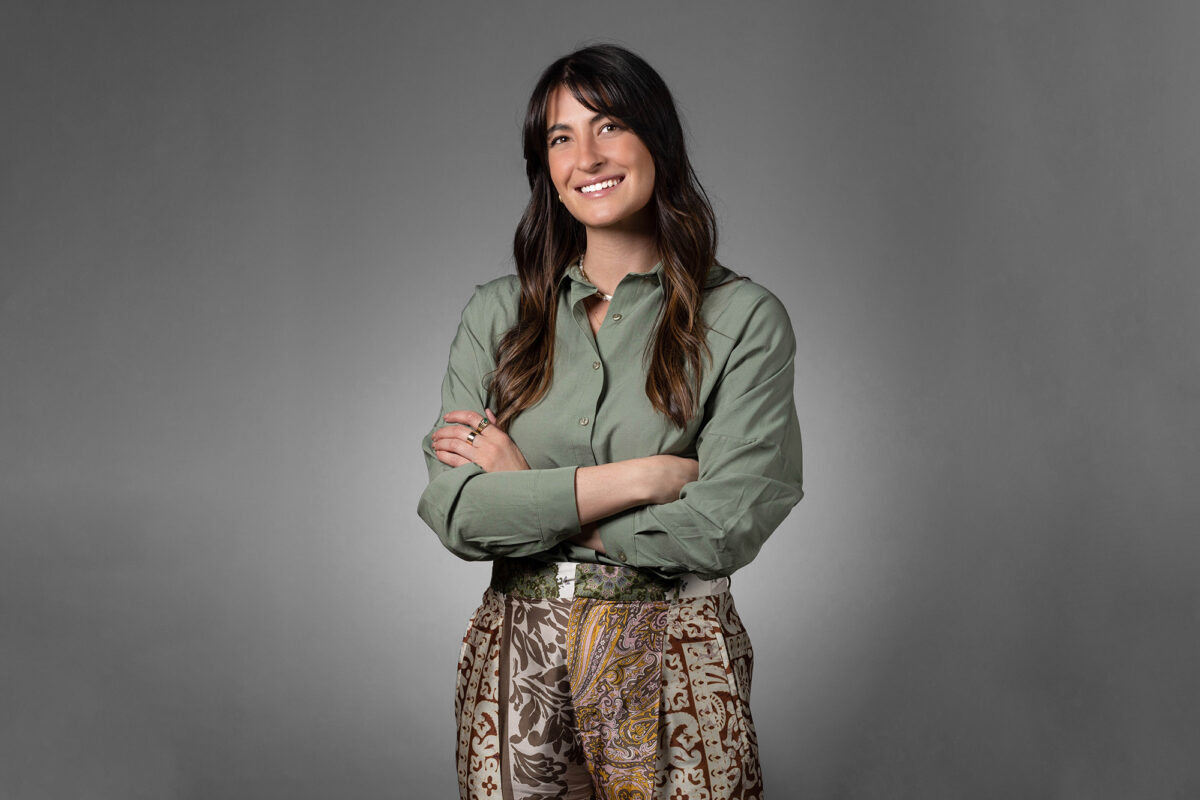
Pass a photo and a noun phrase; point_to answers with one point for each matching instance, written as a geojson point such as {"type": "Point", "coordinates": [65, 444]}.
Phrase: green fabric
{"type": "Point", "coordinates": [525, 577]}
{"type": "Point", "coordinates": [538, 580]}
{"type": "Point", "coordinates": [746, 437]}
{"type": "Point", "coordinates": [604, 582]}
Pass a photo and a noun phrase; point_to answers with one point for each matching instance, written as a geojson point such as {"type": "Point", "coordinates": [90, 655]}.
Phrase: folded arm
{"type": "Point", "coordinates": [484, 501]}
{"type": "Point", "coordinates": [750, 464]}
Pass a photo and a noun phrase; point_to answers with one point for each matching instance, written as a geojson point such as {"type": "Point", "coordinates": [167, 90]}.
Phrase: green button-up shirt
{"type": "Point", "coordinates": [746, 437]}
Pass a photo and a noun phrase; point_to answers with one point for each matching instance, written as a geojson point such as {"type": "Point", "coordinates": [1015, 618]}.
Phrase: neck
{"type": "Point", "coordinates": [611, 255]}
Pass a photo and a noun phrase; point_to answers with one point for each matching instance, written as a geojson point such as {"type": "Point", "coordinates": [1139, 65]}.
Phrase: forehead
{"type": "Point", "coordinates": [563, 109]}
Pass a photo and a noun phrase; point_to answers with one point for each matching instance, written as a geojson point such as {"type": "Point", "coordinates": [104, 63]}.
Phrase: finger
{"type": "Point", "coordinates": [459, 446]}
{"type": "Point", "coordinates": [451, 459]}
{"type": "Point", "coordinates": [491, 417]}
{"type": "Point", "coordinates": [450, 432]}
{"type": "Point", "coordinates": [468, 418]}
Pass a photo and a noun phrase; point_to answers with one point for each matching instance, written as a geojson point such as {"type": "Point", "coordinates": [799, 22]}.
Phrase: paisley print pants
{"type": "Point", "coordinates": [604, 697]}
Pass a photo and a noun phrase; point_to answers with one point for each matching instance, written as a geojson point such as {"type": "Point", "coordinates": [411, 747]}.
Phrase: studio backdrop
{"type": "Point", "coordinates": [235, 240]}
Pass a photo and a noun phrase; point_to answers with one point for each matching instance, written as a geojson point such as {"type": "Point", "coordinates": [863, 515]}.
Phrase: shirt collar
{"type": "Point", "coordinates": [717, 275]}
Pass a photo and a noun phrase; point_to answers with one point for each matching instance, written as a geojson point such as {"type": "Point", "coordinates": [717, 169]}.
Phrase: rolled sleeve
{"type": "Point", "coordinates": [749, 452]}
{"type": "Point", "coordinates": [480, 515]}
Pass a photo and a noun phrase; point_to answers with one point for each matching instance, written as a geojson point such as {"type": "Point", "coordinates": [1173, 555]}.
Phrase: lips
{"type": "Point", "coordinates": [600, 185]}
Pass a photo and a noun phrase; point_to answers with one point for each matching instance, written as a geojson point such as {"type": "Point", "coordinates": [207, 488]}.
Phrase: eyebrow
{"type": "Point", "coordinates": [561, 127]}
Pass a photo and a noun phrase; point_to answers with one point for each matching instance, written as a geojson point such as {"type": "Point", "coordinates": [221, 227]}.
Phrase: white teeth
{"type": "Point", "coordinates": [595, 187]}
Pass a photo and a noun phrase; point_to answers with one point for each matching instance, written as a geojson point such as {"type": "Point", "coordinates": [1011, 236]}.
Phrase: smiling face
{"type": "Point", "coordinates": [601, 169]}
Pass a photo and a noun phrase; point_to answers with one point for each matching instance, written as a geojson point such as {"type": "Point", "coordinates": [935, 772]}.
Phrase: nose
{"type": "Point", "coordinates": [588, 157]}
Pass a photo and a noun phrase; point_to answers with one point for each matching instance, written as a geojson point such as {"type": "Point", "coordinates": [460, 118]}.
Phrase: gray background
{"type": "Point", "coordinates": [236, 239]}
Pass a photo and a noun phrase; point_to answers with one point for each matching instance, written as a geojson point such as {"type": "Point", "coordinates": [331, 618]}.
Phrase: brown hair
{"type": "Point", "coordinates": [610, 80]}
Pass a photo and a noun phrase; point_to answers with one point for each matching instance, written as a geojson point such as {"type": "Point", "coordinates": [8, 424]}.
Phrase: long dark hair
{"type": "Point", "coordinates": [613, 81]}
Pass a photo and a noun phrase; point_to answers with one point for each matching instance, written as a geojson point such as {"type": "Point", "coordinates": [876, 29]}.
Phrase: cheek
{"type": "Point", "coordinates": [648, 180]}
{"type": "Point", "coordinates": [645, 164]}
{"type": "Point", "coordinates": [559, 171]}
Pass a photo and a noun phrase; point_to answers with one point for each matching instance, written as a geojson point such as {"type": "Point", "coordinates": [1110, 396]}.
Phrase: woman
{"type": "Point", "coordinates": [619, 437]}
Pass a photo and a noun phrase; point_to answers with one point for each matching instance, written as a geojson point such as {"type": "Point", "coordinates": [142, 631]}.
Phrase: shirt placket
{"type": "Point", "coordinates": [587, 377]}
{"type": "Point", "coordinates": [614, 340]}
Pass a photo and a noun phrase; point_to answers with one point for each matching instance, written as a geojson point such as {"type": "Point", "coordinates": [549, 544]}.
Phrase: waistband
{"type": "Point", "coordinates": [537, 580]}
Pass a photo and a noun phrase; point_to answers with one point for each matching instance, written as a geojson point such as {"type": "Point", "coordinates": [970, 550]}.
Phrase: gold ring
{"type": "Point", "coordinates": [471, 437]}
{"type": "Point", "coordinates": [483, 423]}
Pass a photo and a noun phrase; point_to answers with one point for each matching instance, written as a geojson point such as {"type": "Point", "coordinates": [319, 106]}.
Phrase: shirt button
{"type": "Point", "coordinates": [595, 365]}
{"type": "Point", "coordinates": [616, 317]}
{"type": "Point", "coordinates": [584, 420]}
{"type": "Point", "coordinates": [621, 555]}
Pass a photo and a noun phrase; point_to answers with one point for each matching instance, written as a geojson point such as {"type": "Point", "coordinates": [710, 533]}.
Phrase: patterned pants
{"type": "Point", "coordinates": [595, 697]}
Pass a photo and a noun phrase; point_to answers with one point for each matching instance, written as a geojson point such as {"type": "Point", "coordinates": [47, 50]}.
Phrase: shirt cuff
{"type": "Point", "coordinates": [553, 498]}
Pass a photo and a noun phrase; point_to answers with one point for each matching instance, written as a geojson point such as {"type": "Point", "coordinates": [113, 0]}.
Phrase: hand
{"type": "Point", "coordinates": [668, 475]}
{"type": "Point", "coordinates": [492, 449]}
{"type": "Point", "coordinates": [589, 536]}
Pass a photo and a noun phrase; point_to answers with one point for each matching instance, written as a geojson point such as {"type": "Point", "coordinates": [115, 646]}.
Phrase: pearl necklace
{"type": "Point", "coordinates": [600, 294]}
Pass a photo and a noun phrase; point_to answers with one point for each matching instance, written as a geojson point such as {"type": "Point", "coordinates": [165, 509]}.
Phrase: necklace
{"type": "Point", "coordinates": [599, 293]}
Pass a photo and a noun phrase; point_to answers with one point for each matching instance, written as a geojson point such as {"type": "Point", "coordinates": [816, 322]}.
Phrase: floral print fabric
{"type": "Point", "coordinates": [612, 699]}
{"type": "Point", "coordinates": [531, 579]}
